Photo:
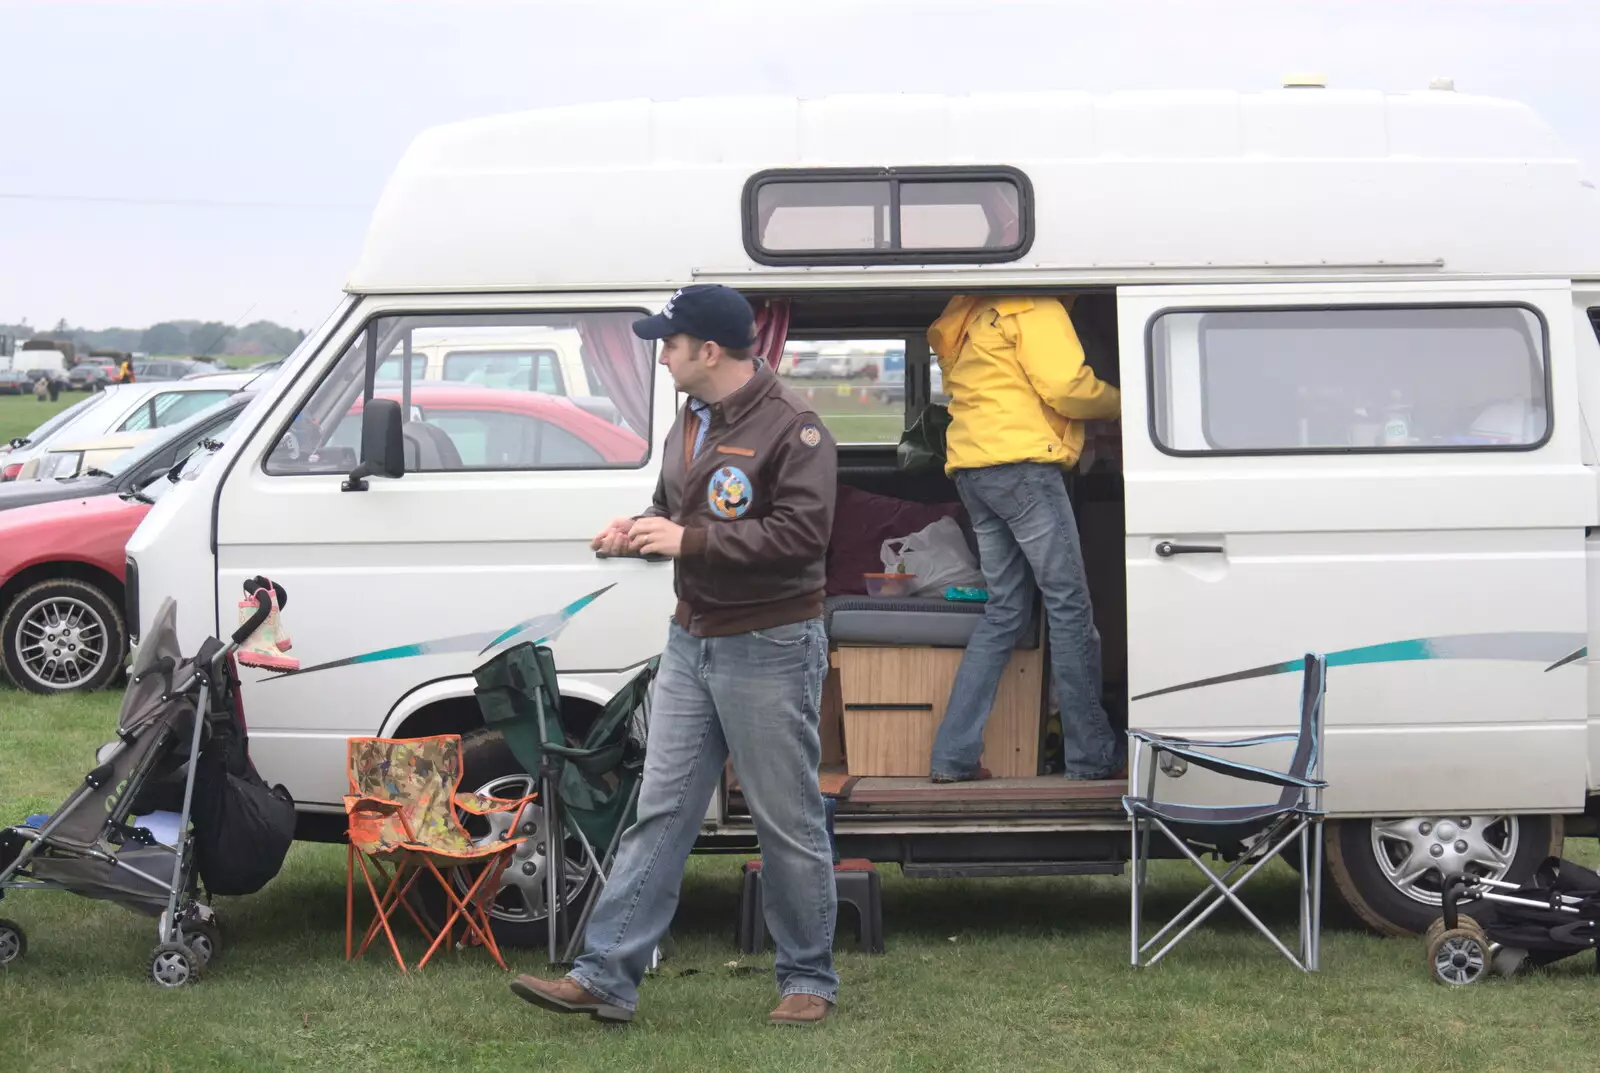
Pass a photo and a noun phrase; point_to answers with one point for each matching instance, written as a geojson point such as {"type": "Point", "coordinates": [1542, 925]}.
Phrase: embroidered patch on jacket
{"type": "Point", "coordinates": [742, 452]}
{"type": "Point", "coordinates": [810, 435]}
{"type": "Point", "coordinates": [729, 493]}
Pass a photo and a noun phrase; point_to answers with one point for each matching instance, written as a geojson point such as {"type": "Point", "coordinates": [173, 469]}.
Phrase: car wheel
{"type": "Point", "coordinates": [1391, 872]}
{"type": "Point", "coordinates": [519, 915]}
{"type": "Point", "coordinates": [62, 635]}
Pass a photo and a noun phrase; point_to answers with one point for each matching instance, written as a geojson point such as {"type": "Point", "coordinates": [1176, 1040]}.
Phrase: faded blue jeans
{"type": "Point", "coordinates": [1027, 535]}
{"type": "Point", "coordinates": [755, 697]}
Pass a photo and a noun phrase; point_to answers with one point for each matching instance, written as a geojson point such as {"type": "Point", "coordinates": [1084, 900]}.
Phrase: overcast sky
{"type": "Point", "coordinates": [218, 159]}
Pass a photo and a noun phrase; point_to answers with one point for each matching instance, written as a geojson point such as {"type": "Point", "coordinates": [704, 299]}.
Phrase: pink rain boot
{"type": "Point", "coordinates": [260, 649]}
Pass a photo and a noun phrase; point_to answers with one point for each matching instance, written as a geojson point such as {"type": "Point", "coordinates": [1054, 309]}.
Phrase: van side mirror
{"type": "Point", "coordinates": [382, 445]}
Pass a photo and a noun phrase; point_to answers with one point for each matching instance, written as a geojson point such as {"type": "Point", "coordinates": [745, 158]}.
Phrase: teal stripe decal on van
{"type": "Point", "coordinates": [538, 630]}
{"type": "Point", "coordinates": [1552, 649]}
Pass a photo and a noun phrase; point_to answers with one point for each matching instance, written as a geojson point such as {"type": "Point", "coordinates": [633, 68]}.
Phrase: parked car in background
{"type": "Point", "coordinates": [14, 454]}
{"type": "Point", "coordinates": [90, 375]}
{"type": "Point", "coordinates": [62, 571]}
{"type": "Point", "coordinates": [168, 368]}
{"type": "Point", "coordinates": [158, 452]}
{"type": "Point", "coordinates": [130, 408]}
{"type": "Point", "coordinates": [87, 457]}
{"type": "Point", "coordinates": [14, 382]}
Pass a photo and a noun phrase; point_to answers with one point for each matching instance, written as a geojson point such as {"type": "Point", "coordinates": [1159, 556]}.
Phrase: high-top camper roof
{"type": "Point", "coordinates": [1125, 187]}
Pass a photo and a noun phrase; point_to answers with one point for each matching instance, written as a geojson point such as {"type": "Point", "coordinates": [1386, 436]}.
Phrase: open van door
{"type": "Point", "coordinates": [1386, 473]}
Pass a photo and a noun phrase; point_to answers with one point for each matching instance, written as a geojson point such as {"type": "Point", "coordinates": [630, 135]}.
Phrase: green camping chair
{"type": "Point", "coordinates": [588, 786]}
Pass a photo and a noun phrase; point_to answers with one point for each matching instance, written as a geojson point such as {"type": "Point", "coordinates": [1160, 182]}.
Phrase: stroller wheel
{"type": "Point", "coordinates": [1458, 956]}
{"type": "Point", "coordinates": [1436, 929]}
{"type": "Point", "coordinates": [204, 938]}
{"type": "Point", "coordinates": [13, 942]}
{"type": "Point", "coordinates": [174, 965]}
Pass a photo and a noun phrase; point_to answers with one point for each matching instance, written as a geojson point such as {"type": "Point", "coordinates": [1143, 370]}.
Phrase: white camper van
{"type": "Point", "coordinates": [1359, 372]}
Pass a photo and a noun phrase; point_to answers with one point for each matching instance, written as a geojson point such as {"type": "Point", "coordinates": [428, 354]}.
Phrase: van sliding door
{"type": "Point", "coordinates": [1388, 474]}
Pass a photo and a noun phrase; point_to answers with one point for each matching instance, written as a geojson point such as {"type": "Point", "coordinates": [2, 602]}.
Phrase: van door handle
{"type": "Point", "coordinates": [652, 558]}
{"type": "Point", "coordinates": [1167, 549]}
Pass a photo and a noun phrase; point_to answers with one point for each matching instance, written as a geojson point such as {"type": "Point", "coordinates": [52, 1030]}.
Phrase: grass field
{"type": "Point", "coordinates": [853, 412]}
{"type": "Point", "coordinates": [979, 975]}
{"type": "Point", "coordinates": [21, 414]}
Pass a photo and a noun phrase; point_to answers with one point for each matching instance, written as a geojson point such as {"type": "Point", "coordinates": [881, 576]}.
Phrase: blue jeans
{"type": "Point", "coordinates": [1026, 532]}
{"type": "Point", "coordinates": [755, 697]}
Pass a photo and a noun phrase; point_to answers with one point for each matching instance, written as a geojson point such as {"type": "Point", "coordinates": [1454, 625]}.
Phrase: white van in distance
{"type": "Point", "coordinates": [1355, 338]}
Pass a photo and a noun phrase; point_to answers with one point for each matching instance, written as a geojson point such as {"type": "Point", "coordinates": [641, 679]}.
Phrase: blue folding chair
{"type": "Point", "coordinates": [1248, 835]}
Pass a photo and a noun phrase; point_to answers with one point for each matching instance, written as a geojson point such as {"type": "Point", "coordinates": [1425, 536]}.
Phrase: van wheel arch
{"type": "Point", "coordinates": [1359, 881]}
{"type": "Point", "coordinates": [461, 715]}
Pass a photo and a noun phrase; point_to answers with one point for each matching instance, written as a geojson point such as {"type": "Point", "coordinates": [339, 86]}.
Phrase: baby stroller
{"type": "Point", "coordinates": [241, 829]}
{"type": "Point", "coordinates": [1552, 916]}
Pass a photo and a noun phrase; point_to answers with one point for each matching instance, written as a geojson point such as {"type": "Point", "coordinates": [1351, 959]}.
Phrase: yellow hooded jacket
{"type": "Point", "coordinates": [1019, 387]}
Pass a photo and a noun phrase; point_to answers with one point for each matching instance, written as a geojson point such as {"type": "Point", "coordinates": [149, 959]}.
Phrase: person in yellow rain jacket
{"type": "Point", "coordinates": [1020, 391]}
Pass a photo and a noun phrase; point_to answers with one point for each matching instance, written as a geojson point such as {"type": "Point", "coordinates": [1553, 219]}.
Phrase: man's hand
{"type": "Point", "coordinates": [613, 539]}
{"type": "Point", "coordinates": [656, 536]}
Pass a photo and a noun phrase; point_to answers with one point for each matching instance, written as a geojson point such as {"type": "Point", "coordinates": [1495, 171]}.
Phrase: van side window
{"type": "Point", "coordinates": [1345, 380]}
{"type": "Point", "coordinates": [485, 391]}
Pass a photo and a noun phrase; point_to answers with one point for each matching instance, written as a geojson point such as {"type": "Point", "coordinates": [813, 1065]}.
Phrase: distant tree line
{"type": "Point", "coordinates": [181, 337]}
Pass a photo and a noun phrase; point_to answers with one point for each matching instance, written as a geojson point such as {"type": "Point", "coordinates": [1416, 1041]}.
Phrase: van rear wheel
{"type": "Point", "coordinates": [1391, 871]}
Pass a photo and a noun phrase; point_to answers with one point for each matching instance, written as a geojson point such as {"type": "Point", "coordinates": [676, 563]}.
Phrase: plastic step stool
{"type": "Point", "coordinates": [858, 885]}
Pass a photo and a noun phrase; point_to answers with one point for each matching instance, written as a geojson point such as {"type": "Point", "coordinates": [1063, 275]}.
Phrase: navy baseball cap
{"type": "Point", "coordinates": [706, 311]}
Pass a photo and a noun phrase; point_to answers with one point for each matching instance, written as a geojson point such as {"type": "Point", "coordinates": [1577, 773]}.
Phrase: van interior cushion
{"type": "Point", "coordinates": [862, 521]}
{"type": "Point", "coordinates": [912, 620]}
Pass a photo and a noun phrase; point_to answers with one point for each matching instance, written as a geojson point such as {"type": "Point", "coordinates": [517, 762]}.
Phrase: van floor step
{"type": "Point", "coordinates": [1042, 792]}
{"type": "Point", "coordinates": [989, 869]}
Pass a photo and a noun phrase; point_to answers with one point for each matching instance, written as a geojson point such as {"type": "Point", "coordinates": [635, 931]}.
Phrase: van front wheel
{"type": "Point", "coordinates": [1391, 871]}
{"type": "Point", "coordinates": [519, 914]}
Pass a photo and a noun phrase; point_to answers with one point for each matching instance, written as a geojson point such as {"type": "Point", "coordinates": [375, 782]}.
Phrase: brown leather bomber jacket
{"type": "Point", "coordinates": [756, 504]}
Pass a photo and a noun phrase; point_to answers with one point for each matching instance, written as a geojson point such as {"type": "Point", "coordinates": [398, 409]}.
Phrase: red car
{"type": "Point", "coordinates": [61, 596]}
{"type": "Point", "coordinates": [496, 428]}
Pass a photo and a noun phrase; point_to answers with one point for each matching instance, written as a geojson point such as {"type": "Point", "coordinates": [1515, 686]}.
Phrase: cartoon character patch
{"type": "Point", "coordinates": [729, 493]}
{"type": "Point", "coordinates": [810, 435]}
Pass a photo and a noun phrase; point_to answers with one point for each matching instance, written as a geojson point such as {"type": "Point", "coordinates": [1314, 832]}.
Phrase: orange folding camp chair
{"type": "Point", "coordinates": [404, 825]}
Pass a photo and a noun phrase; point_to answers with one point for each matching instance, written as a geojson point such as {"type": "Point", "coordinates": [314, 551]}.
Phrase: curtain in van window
{"type": "Point", "coordinates": [772, 330]}
{"type": "Point", "coordinates": [616, 356]}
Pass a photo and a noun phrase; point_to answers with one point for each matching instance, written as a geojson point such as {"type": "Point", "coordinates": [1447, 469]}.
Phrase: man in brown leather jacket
{"type": "Point", "coordinates": [744, 506]}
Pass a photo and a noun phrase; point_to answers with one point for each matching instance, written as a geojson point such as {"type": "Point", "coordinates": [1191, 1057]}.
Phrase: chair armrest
{"type": "Point", "coordinates": [1248, 772]}
{"type": "Point", "coordinates": [375, 806]}
{"type": "Point", "coordinates": [483, 804]}
{"type": "Point", "coordinates": [1163, 741]}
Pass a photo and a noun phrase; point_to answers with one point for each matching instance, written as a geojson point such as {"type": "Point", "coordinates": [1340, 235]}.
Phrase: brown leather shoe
{"type": "Point", "coordinates": [566, 995]}
{"type": "Point", "coordinates": [800, 1010]}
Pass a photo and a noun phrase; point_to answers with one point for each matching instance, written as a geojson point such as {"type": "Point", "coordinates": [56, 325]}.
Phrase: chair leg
{"type": "Point", "coordinates": [1204, 898]}
{"type": "Point", "coordinates": [382, 916]}
{"type": "Point", "coordinates": [349, 898]}
{"type": "Point", "coordinates": [395, 895]}
{"type": "Point", "coordinates": [462, 911]}
{"type": "Point", "coordinates": [1316, 894]}
{"type": "Point", "coordinates": [554, 845]}
{"type": "Point", "coordinates": [1228, 893]}
{"type": "Point", "coordinates": [1136, 883]}
{"type": "Point", "coordinates": [599, 868]}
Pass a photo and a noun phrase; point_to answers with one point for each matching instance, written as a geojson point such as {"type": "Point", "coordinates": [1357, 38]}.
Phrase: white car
{"type": "Point", "coordinates": [123, 408]}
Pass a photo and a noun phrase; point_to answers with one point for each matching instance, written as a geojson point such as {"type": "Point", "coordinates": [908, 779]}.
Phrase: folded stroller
{"type": "Point", "coordinates": [96, 846]}
{"type": "Point", "coordinates": [1552, 916]}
